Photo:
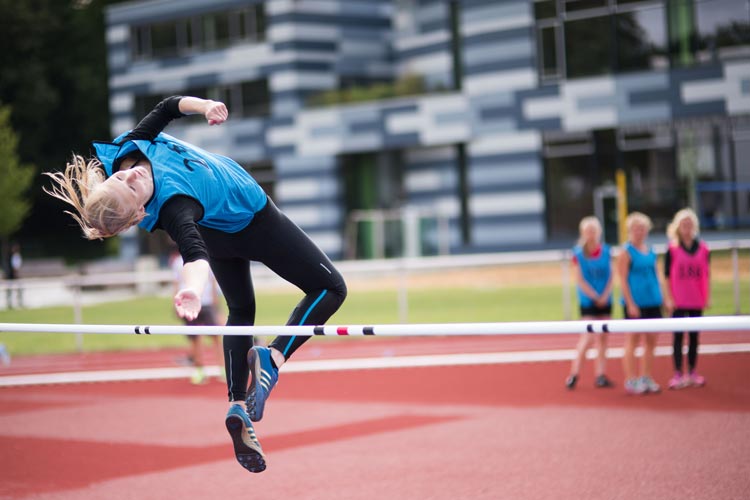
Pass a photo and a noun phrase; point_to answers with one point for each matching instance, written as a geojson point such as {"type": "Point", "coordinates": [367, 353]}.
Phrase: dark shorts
{"type": "Point", "coordinates": [596, 311]}
{"type": "Point", "coordinates": [207, 317]}
{"type": "Point", "coordinates": [687, 313]}
{"type": "Point", "coordinates": [646, 313]}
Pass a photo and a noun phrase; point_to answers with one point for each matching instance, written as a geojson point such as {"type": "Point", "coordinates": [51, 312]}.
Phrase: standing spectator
{"type": "Point", "coordinates": [687, 272]}
{"type": "Point", "coordinates": [641, 298]}
{"type": "Point", "coordinates": [12, 273]}
{"type": "Point", "coordinates": [208, 316]}
{"type": "Point", "coordinates": [594, 285]}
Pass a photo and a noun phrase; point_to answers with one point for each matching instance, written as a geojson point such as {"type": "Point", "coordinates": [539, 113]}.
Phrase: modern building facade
{"type": "Point", "coordinates": [490, 125]}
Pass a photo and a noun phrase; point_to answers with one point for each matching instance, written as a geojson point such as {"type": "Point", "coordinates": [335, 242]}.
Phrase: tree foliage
{"type": "Point", "coordinates": [54, 76]}
{"type": "Point", "coordinates": [15, 179]}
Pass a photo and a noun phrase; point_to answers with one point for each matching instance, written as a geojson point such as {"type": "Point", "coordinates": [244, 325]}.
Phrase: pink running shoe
{"type": "Point", "coordinates": [677, 381]}
{"type": "Point", "coordinates": [697, 380]}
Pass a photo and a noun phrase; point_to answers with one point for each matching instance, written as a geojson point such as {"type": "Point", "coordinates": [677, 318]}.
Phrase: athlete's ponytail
{"type": "Point", "coordinates": [81, 185]}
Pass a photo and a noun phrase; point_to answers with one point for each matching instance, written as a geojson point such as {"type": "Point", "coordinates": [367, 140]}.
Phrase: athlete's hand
{"type": "Point", "coordinates": [668, 306]}
{"type": "Point", "coordinates": [216, 113]}
{"type": "Point", "coordinates": [187, 304]}
{"type": "Point", "coordinates": [634, 312]}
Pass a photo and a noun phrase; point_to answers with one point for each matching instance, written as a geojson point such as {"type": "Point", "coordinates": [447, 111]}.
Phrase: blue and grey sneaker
{"type": "Point", "coordinates": [246, 445]}
{"type": "Point", "coordinates": [264, 377]}
{"type": "Point", "coordinates": [635, 386]}
{"type": "Point", "coordinates": [650, 384]}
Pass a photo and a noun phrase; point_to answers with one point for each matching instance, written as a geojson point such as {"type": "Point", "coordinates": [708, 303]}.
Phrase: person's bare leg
{"type": "Point", "coordinates": [199, 376]}
{"type": "Point", "coordinates": [649, 346]}
{"type": "Point", "coordinates": [601, 355]}
{"type": "Point", "coordinates": [584, 342]}
{"type": "Point", "coordinates": [628, 359]}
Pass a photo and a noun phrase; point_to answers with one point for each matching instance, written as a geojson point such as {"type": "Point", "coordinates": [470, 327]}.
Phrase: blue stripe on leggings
{"type": "Point", "coordinates": [302, 321]}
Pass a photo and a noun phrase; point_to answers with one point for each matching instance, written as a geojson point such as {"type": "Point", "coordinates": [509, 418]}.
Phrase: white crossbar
{"type": "Point", "coordinates": [707, 323]}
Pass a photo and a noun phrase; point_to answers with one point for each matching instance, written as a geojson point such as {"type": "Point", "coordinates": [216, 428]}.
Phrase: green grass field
{"type": "Point", "coordinates": [425, 305]}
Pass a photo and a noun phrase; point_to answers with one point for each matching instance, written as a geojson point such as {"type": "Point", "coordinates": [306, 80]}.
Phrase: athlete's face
{"type": "Point", "coordinates": [686, 229]}
{"type": "Point", "coordinates": [638, 232]}
{"type": "Point", "coordinates": [590, 234]}
{"type": "Point", "coordinates": [132, 186]}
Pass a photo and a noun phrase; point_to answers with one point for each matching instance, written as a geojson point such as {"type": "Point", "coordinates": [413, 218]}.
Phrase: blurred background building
{"type": "Point", "coordinates": [385, 127]}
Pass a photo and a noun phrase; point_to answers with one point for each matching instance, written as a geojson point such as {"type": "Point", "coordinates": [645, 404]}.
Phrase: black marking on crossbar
{"type": "Point", "coordinates": [590, 328]}
{"type": "Point", "coordinates": [146, 329]}
{"type": "Point", "coordinates": [137, 330]}
{"type": "Point", "coordinates": [605, 328]}
{"type": "Point", "coordinates": [368, 330]}
{"type": "Point", "coordinates": [318, 330]}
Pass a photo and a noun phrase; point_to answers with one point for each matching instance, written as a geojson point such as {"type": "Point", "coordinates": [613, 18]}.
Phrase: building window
{"type": "Point", "coordinates": [641, 39]}
{"type": "Point", "coordinates": [583, 38]}
{"type": "Point", "coordinates": [548, 55]}
{"type": "Point", "coordinates": [588, 47]}
{"type": "Point", "coordinates": [722, 29]}
{"type": "Point", "coordinates": [545, 9]}
{"type": "Point", "coordinates": [198, 33]}
{"type": "Point", "coordinates": [578, 5]}
{"type": "Point", "coordinates": [164, 39]}
{"type": "Point", "coordinates": [702, 31]}
{"type": "Point", "coordinates": [255, 98]}
{"type": "Point", "coordinates": [569, 172]}
{"type": "Point", "coordinates": [577, 165]}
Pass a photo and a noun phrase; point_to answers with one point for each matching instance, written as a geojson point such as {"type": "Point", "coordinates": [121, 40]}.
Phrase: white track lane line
{"type": "Point", "coordinates": [346, 364]}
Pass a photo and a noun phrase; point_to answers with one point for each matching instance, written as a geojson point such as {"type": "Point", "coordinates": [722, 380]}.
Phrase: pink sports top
{"type": "Point", "coordinates": [688, 276]}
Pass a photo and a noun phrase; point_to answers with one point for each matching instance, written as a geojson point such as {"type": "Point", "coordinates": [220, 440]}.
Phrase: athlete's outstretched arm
{"type": "Point", "coordinates": [178, 218]}
{"type": "Point", "coordinates": [173, 108]}
{"type": "Point", "coordinates": [187, 301]}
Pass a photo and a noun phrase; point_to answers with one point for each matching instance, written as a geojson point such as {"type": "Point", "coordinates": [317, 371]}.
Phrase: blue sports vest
{"type": "Point", "coordinates": [229, 195]}
{"type": "Point", "coordinates": [642, 279]}
{"type": "Point", "coordinates": [596, 272]}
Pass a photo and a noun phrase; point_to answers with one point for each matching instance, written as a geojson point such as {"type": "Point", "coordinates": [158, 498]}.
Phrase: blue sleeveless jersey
{"type": "Point", "coordinates": [642, 279]}
{"type": "Point", "coordinates": [596, 272]}
{"type": "Point", "coordinates": [229, 195]}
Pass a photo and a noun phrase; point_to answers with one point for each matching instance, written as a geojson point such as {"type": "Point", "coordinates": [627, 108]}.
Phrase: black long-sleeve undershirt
{"type": "Point", "coordinates": [154, 122]}
{"type": "Point", "coordinates": [179, 215]}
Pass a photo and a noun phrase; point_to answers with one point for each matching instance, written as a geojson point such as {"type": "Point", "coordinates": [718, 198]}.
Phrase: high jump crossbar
{"type": "Point", "coordinates": [707, 323]}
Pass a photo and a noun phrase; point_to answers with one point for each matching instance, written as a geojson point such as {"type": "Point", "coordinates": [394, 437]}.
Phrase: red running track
{"type": "Point", "coordinates": [490, 431]}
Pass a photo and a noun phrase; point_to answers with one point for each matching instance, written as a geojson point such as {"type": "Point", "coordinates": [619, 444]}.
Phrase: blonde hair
{"type": "Point", "coordinates": [685, 213]}
{"type": "Point", "coordinates": [586, 222]}
{"type": "Point", "coordinates": [99, 214]}
{"type": "Point", "coordinates": [638, 218]}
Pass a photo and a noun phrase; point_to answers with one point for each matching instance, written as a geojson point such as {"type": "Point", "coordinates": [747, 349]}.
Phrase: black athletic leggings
{"type": "Point", "coordinates": [274, 240]}
{"type": "Point", "coordinates": [692, 342]}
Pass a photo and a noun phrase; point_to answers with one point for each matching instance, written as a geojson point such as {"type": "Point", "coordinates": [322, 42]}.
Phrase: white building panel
{"type": "Point", "coordinates": [514, 203]}
{"type": "Point", "coordinates": [508, 234]}
{"type": "Point", "coordinates": [121, 102]}
{"type": "Point", "coordinates": [502, 81]}
{"type": "Point", "coordinates": [429, 180]}
{"type": "Point", "coordinates": [119, 33]}
{"type": "Point", "coordinates": [306, 189]}
{"type": "Point", "coordinates": [293, 80]}
{"type": "Point", "coordinates": [514, 142]}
